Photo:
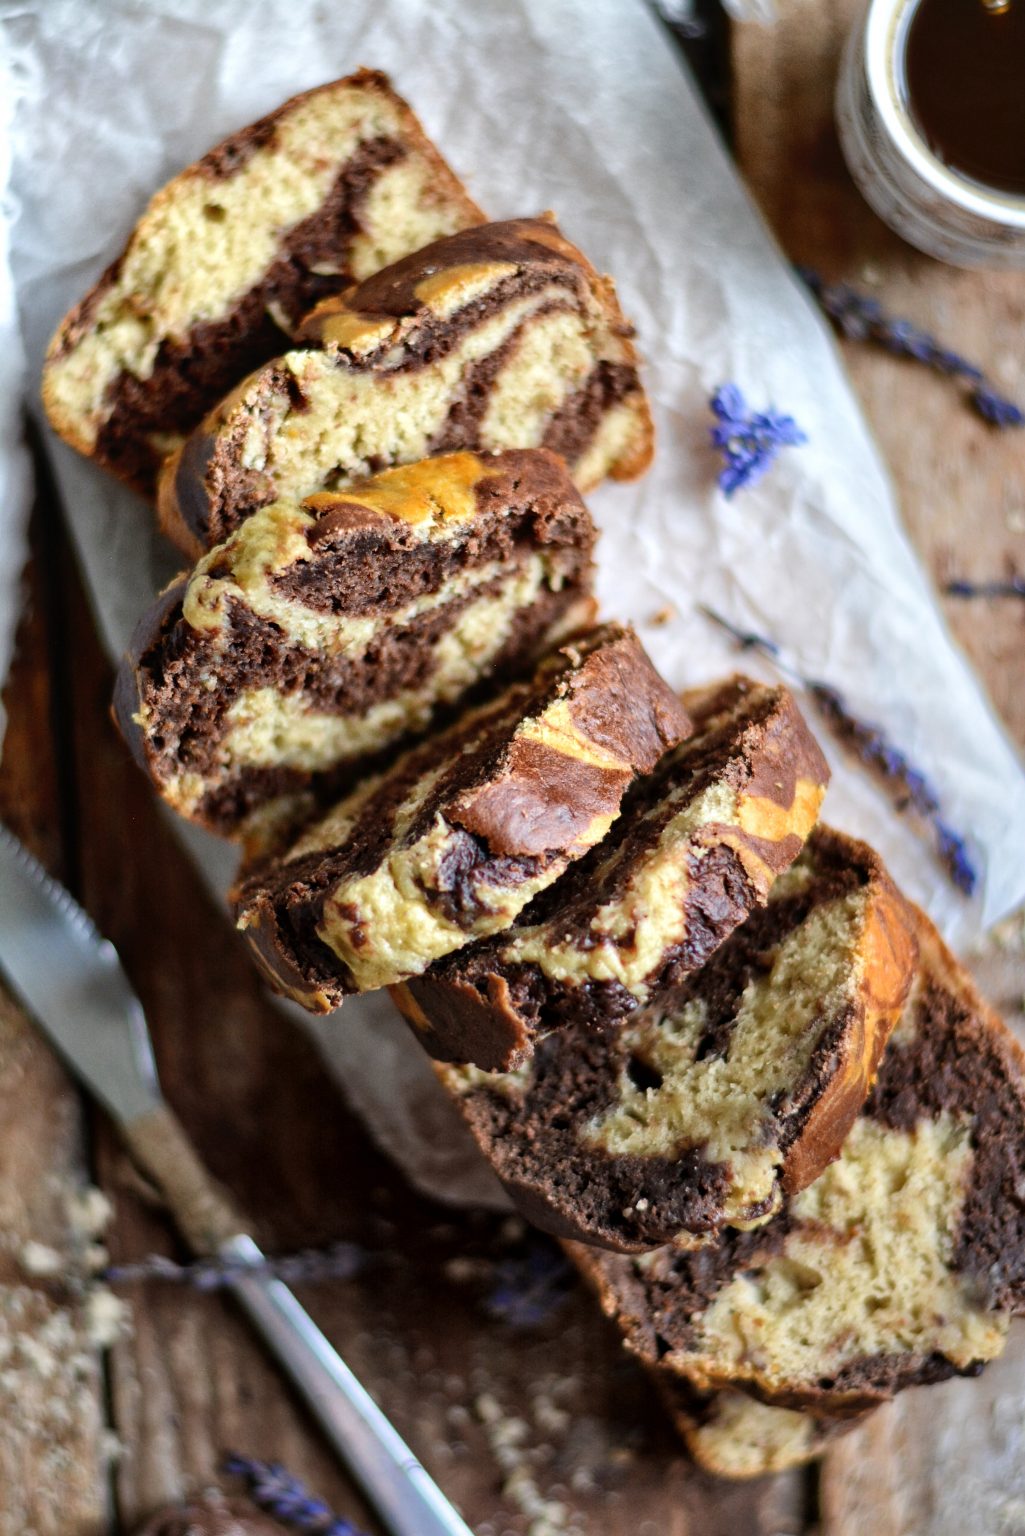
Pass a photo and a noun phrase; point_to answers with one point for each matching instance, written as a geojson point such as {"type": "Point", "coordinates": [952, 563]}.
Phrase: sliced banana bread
{"type": "Point", "coordinates": [320, 633]}
{"type": "Point", "coordinates": [328, 189]}
{"type": "Point", "coordinates": [502, 336]}
{"type": "Point", "coordinates": [457, 836]}
{"type": "Point", "coordinates": [902, 1264]}
{"type": "Point", "coordinates": [705, 1108]}
{"type": "Point", "coordinates": [696, 849]}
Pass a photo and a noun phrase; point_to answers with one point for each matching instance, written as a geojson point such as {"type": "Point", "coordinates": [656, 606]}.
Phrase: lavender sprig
{"type": "Point", "coordinates": [531, 1289]}
{"type": "Point", "coordinates": [1014, 587]}
{"type": "Point", "coordinates": [859, 317]}
{"type": "Point", "coordinates": [285, 1497]}
{"type": "Point", "coordinates": [873, 747]}
{"type": "Point", "coordinates": [748, 440]}
{"type": "Point", "coordinates": [339, 1262]}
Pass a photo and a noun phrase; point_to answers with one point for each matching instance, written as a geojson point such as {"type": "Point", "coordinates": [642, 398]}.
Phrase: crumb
{"type": "Point", "coordinates": [664, 616]}
{"type": "Point", "coordinates": [89, 1211]}
{"type": "Point", "coordinates": [462, 1270]}
{"type": "Point", "coordinates": [106, 1317]}
{"type": "Point", "coordinates": [96, 1258]}
{"type": "Point", "coordinates": [112, 1447]}
{"type": "Point", "coordinates": [39, 1260]}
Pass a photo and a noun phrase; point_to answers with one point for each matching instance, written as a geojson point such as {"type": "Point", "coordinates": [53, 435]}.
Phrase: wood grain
{"type": "Point", "coordinates": [52, 1449]}
{"type": "Point", "coordinates": [946, 1460]}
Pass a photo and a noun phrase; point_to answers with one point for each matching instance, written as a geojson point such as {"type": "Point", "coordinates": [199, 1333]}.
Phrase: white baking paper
{"type": "Point", "coordinates": [581, 106]}
{"type": "Point", "coordinates": [15, 465]}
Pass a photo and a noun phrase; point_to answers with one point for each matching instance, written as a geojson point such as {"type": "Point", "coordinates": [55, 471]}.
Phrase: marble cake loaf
{"type": "Point", "coordinates": [502, 336]}
{"type": "Point", "coordinates": [710, 1105]}
{"type": "Point", "coordinates": [457, 836]}
{"type": "Point", "coordinates": [322, 632]}
{"type": "Point", "coordinates": [901, 1265]}
{"type": "Point", "coordinates": [696, 849]}
{"type": "Point", "coordinates": [331, 187]}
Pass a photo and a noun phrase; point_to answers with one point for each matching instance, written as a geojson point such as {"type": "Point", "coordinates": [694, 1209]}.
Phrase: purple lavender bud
{"type": "Point", "coordinates": [954, 854]}
{"type": "Point", "coordinates": [862, 318]}
{"type": "Point", "coordinates": [749, 441]}
{"type": "Point", "coordinates": [995, 409]}
{"type": "Point", "coordinates": [1013, 587]}
{"type": "Point", "coordinates": [871, 745]}
{"type": "Point", "coordinates": [284, 1496]}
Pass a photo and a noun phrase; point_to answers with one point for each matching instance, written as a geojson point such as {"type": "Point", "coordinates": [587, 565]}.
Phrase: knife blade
{"type": "Point", "coordinates": [70, 979]}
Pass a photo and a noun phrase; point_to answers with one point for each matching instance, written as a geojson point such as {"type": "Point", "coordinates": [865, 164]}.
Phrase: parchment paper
{"type": "Point", "coordinates": [583, 107]}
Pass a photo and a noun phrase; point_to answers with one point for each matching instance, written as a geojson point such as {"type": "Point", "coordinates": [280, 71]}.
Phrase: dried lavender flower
{"type": "Point", "coordinates": [339, 1262]}
{"type": "Point", "coordinates": [748, 440]}
{"type": "Point", "coordinates": [285, 1497]}
{"type": "Point", "coordinates": [1013, 587]}
{"type": "Point", "coordinates": [530, 1289]}
{"type": "Point", "coordinates": [871, 745]}
{"type": "Point", "coordinates": [859, 317]}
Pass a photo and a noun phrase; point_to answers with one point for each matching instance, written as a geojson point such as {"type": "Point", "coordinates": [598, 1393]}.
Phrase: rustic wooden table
{"type": "Point", "coordinates": [535, 1428]}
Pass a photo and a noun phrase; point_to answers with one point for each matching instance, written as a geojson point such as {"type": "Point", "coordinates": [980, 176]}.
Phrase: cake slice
{"type": "Point", "coordinates": [901, 1265]}
{"type": "Point", "coordinates": [457, 836]}
{"type": "Point", "coordinates": [320, 633]}
{"type": "Point", "coordinates": [502, 336]}
{"type": "Point", "coordinates": [697, 849]}
{"type": "Point", "coordinates": [733, 1435]}
{"type": "Point", "coordinates": [705, 1108]}
{"type": "Point", "coordinates": [334, 185]}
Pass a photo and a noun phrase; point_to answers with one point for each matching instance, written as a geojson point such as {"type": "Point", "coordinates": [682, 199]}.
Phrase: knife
{"type": "Point", "coordinates": [70, 979]}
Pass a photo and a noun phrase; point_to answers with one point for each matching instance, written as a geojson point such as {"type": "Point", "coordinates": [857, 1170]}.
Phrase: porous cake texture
{"type": "Point", "coordinates": [334, 185]}
{"type": "Point", "coordinates": [455, 838]}
{"type": "Point", "coordinates": [500, 336]}
{"type": "Point", "coordinates": [697, 848]}
{"type": "Point", "coordinates": [901, 1264]}
{"type": "Point", "coordinates": [708, 1107]}
{"type": "Point", "coordinates": [733, 1435]}
{"type": "Point", "coordinates": [323, 632]}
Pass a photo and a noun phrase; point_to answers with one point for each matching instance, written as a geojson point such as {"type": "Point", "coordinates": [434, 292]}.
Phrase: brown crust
{"type": "Point", "coordinates": [282, 904]}
{"type": "Point", "coordinates": [200, 482]}
{"type": "Point", "coordinates": [961, 1056]}
{"type": "Point", "coordinates": [889, 960]}
{"type": "Point", "coordinates": [481, 1008]}
{"type": "Point", "coordinates": [632, 1203]}
{"type": "Point", "coordinates": [224, 160]}
{"type": "Point", "coordinates": [524, 502]}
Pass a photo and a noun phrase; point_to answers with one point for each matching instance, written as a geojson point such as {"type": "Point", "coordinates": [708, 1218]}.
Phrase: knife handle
{"type": "Point", "coordinates": [402, 1492]}
{"type": "Point", "coordinates": [408, 1501]}
{"type": "Point", "coordinates": [202, 1209]}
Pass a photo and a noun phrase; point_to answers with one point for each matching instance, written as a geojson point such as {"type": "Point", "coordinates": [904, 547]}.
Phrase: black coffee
{"type": "Point", "coordinates": [965, 80]}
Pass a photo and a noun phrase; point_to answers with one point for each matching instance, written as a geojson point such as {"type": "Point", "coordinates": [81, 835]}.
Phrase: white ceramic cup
{"type": "Point", "coordinates": [929, 204]}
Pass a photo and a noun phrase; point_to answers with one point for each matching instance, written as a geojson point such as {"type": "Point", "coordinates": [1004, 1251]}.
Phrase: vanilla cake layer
{"type": "Point", "coordinates": [697, 848]}
{"type": "Point", "coordinates": [334, 185]}
{"type": "Point", "coordinates": [902, 1264]}
{"type": "Point", "coordinates": [721, 1097]}
{"type": "Point", "coordinates": [322, 633]}
{"type": "Point", "coordinates": [458, 835]}
{"type": "Point", "coordinates": [501, 336]}
{"type": "Point", "coordinates": [730, 1434]}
